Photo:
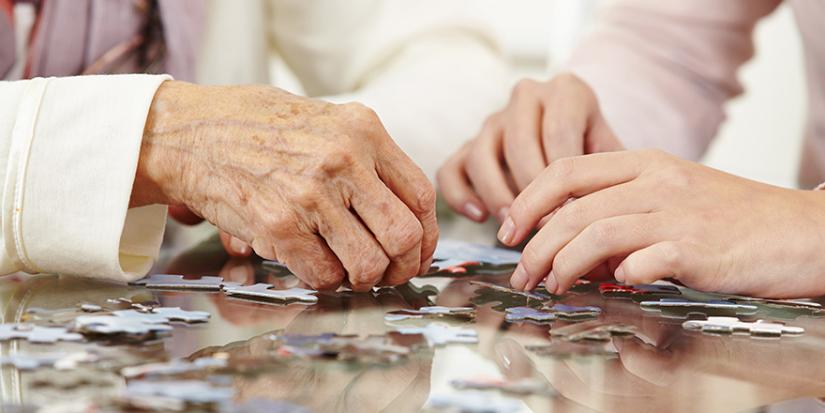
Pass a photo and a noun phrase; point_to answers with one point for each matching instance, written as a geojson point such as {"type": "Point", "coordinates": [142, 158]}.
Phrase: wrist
{"type": "Point", "coordinates": [165, 148]}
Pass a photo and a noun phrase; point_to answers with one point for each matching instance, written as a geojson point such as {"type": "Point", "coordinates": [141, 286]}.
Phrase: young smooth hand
{"type": "Point", "coordinates": [543, 122]}
{"type": "Point", "coordinates": [659, 216]}
{"type": "Point", "coordinates": [318, 186]}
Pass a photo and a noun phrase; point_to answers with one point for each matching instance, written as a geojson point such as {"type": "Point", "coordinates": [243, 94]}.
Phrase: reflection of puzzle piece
{"type": "Point", "coordinates": [58, 361]}
{"type": "Point", "coordinates": [574, 313]}
{"type": "Point", "coordinates": [36, 334]}
{"type": "Point", "coordinates": [732, 325]}
{"type": "Point", "coordinates": [265, 291]}
{"type": "Point", "coordinates": [173, 367]}
{"type": "Point", "coordinates": [786, 309]}
{"type": "Point", "coordinates": [178, 282]}
{"type": "Point", "coordinates": [679, 308]}
{"type": "Point", "coordinates": [519, 314]}
{"type": "Point", "coordinates": [165, 315]}
{"type": "Point", "coordinates": [474, 402]}
{"type": "Point", "coordinates": [593, 331]}
{"type": "Point", "coordinates": [109, 324]}
{"type": "Point", "coordinates": [507, 297]}
{"type": "Point", "coordinates": [520, 387]}
{"type": "Point", "coordinates": [643, 292]}
{"type": "Point", "coordinates": [193, 391]}
{"type": "Point", "coordinates": [570, 349]}
{"type": "Point", "coordinates": [466, 313]}
{"type": "Point", "coordinates": [375, 348]}
{"type": "Point", "coordinates": [439, 334]}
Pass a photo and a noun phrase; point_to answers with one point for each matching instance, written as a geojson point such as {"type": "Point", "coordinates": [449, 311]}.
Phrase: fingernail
{"type": "Point", "coordinates": [519, 278]}
{"type": "Point", "coordinates": [473, 211]}
{"type": "Point", "coordinates": [507, 231]}
{"type": "Point", "coordinates": [550, 283]}
{"type": "Point", "coordinates": [503, 213]}
{"type": "Point", "coordinates": [619, 274]}
{"type": "Point", "coordinates": [238, 246]}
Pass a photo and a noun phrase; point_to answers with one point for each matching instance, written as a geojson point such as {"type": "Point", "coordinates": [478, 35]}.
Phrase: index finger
{"type": "Point", "coordinates": [563, 179]}
{"type": "Point", "coordinates": [406, 180]}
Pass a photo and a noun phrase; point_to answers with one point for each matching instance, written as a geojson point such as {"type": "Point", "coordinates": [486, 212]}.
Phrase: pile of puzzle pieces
{"type": "Point", "coordinates": [179, 384]}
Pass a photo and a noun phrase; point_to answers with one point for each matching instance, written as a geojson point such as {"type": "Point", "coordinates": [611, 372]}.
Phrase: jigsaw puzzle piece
{"type": "Point", "coordinates": [593, 331]}
{"type": "Point", "coordinates": [453, 258]}
{"type": "Point", "coordinates": [638, 293]}
{"type": "Point", "coordinates": [573, 312]}
{"type": "Point", "coordinates": [733, 325]}
{"type": "Point", "coordinates": [36, 334]}
{"type": "Point", "coordinates": [179, 282]}
{"type": "Point", "coordinates": [464, 313]}
{"type": "Point", "coordinates": [507, 297]}
{"type": "Point", "coordinates": [679, 308]}
{"type": "Point", "coordinates": [111, 325]}
{"type": "Point", "coordinates": [784, 309]}
{"type": "Point", "coordinates": [262, 291]}
{"type": "Point", "coordinates": [520, 314]}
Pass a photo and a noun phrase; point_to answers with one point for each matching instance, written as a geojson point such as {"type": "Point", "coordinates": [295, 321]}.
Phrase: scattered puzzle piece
{"type": "Point", "coordinates": [439, 334]}
{"type": "Point", "coordinates": [732, 325]}
{"type": "Point", "coordinates": [643, 292]}
{"type": "Point", "coordinates": [462, 258]}
{"type": "Point", "coordinates": [593, 331]}
{"type": "Point", "coordinates": [265, 291]}
{"type": "Point", "coordinates": [36, 334]}
{"type": "Point", "coordinates": [178, 282]}
{"type": "Point", "coordinates": [679, 308]}
{"type": "Point", "coordinates": [519, 314]}
{"type": "Point", "coordinates": [466, 313]}
{"type": "Point", "coordinates": [785, 309]}
{"type": "Point", "coordinates": [507, 297]}
{"type": "Point", "coordinates": [574, 313]}
{"type": "Point", "coordinates": [110, 325]}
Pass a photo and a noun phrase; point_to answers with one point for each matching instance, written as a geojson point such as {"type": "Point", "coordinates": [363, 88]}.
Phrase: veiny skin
{"type": "Point", "coordinates": [318, 186]}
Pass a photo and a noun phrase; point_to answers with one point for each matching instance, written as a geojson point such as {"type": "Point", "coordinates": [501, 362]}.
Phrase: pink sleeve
{"type": "Point", "coordinates": [663, 70]}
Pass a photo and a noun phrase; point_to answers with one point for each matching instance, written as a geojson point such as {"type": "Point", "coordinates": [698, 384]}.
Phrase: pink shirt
{"type": "Point", "coordinates": [663, 70]}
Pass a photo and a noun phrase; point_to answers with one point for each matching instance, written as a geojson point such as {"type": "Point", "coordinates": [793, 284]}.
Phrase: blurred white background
{"type": "Point", "coordinates": [762, 138]}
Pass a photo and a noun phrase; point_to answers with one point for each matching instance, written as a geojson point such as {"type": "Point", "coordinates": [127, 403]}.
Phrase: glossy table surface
{"type": "Point", "coordinates": [662, 368]}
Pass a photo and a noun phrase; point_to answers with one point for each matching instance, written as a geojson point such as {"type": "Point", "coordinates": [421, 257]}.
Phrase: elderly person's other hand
{"type": "Point", "coordinates": [543, 122]}
{"type": "Point", "coordinates": [317, 186]}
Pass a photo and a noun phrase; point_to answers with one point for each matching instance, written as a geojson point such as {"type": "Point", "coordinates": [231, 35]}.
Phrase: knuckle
{"type": "Point", "coordinates": [679, 177]}
{"type": "Point", "coordinates": [306, 197]}
{"type": "Point", "coordinates": [561, 169]}
{"type": "Point", "coordinates": [369, 271]}
{"type": "Point", "coordinates": [602, 233]}
{"type": "Point", "coordinates": [671, 255]}
{"type": "Point", "coordinates": [524, 87]}
{"type": "Point", "coordinates": [334, 160]}
{"type": "Point", "coordinates": [425, 198]}
{"type": "Point", "coordinates": [361, 117]}
{"type": "Point", "coordinates": [407, 237]}
{"type": "Point", "coordinates": [531, 259]}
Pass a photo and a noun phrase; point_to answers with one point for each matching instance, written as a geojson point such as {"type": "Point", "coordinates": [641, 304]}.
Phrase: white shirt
{"type": "Point", "coordinates": [69, 146]}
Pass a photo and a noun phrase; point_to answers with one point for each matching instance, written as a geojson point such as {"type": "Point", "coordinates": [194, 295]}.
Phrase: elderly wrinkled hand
{"type": "Point", "coordinates": [317, 186]}
{"type": "Point", "coordinates": [662, 217]}
{"type": "Point", "coordinates": [543, 122]}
